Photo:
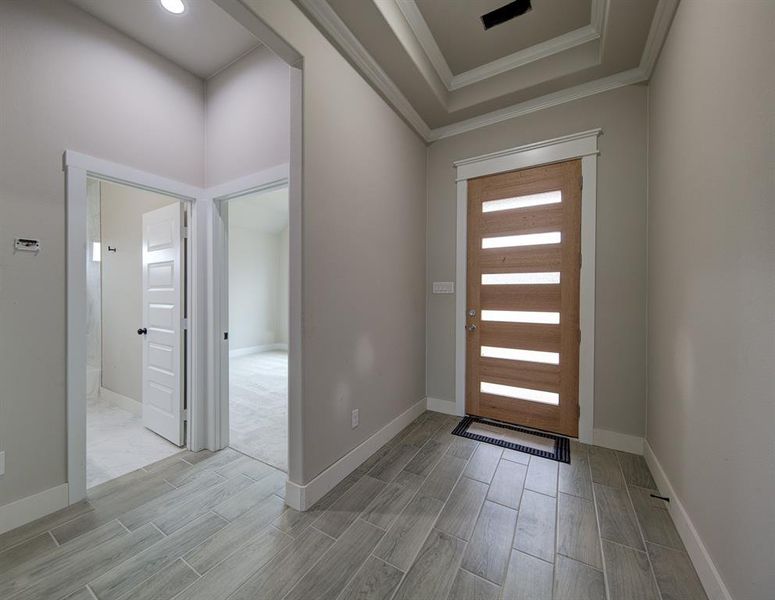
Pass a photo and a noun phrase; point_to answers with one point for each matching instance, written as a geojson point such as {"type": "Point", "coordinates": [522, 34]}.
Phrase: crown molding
{"type": "Point", "coordinates": [422, 33]}
{"type": "Point", "coordinates": [600, 22]}
{"type": "Point", "coordinates": [524, 57]}
{"type": "Point", "coordinates": [416, 22]}
{"type": "Point", "coordinates": [392, 12]}
{"type": "Point", "coordinates": [330, 22]}
{"type": "Point", "coordinates": [577, 92]}
{"type": "Point", "coordinates": [660, 26]}
{"type": "Point", "coordinates": [599, 14]}
{"type": "Point", "coordinates": [355, 51]}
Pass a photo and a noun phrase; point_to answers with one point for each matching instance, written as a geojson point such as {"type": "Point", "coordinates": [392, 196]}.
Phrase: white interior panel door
{"type": "Point", "coordinates": [162, 329]}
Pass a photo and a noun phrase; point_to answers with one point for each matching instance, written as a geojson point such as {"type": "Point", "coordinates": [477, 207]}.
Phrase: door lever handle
{"type": "Point", "coordinates": [142, 331]}
{"type": "Point", "coordinates": [471, 327]}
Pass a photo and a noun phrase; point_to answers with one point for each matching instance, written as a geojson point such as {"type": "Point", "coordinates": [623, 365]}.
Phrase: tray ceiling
{"type": "Point", "coordinates": [435, 63]}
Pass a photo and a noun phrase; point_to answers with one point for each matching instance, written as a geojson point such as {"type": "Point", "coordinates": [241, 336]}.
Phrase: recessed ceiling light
{"type": "Point", "coordinates": [176, 7]}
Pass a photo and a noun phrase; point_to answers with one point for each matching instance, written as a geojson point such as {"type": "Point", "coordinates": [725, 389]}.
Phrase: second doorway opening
{"type": "Point", "coordinates": [258, 325]}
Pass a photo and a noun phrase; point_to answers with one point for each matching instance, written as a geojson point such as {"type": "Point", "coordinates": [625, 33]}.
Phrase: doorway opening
{"type": "Point", "coordinates": [256, 224]}
{"type": "Point", "coordinates": [230, 117]}
{"type": "Point", "coordinates": [135, 327]}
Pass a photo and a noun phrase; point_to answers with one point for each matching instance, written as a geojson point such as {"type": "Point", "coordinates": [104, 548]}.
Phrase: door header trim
{"type": "Point", "coordinates": [576, 145]}
{"type": "Point", "coordinates": [117, 173]}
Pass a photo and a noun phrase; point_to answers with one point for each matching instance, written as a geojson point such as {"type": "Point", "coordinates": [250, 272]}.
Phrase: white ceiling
{"type": "Point", "coordinates": [266, 212]}
{"type": "Point", "coordinates": [202, 40]}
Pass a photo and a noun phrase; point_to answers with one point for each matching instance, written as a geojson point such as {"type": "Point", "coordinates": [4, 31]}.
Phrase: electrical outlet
{"type": "Point", "coordinates": [2, 463]}
{"type": "Point", "coordinates": [355, 418]}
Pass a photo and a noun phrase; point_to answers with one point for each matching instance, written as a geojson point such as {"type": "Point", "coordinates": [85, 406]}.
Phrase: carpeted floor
{"type": "Point", "coordinates": [258, 406]}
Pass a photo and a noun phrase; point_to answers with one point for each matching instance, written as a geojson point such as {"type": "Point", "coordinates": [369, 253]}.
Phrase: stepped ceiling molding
{"type": "Point", "coordinates": [435, 64]}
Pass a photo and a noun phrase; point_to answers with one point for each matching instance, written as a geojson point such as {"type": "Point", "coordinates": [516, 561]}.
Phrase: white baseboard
{"type": "Point", "coordinates": [448, 407]}
{"type": "Point", "coordinates": [125, 402]}
{"type": "Point", "coordinates": [256, 349]}
{"type": "Point", "coordinates": [618, 441]}
{"type": "Point", "coordinates": [703, 564]}
{"type": "Point", "coordinates": [302, 497]}
{"type": "Point", "coordinates": [26, 510]}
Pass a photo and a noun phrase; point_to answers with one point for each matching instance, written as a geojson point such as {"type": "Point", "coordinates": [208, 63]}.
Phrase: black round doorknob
{"type": "Point", "coordinates": [142, 331]}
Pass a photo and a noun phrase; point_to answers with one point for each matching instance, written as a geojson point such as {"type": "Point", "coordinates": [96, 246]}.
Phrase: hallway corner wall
{"type": "Point", "coordinates": [711, 286]}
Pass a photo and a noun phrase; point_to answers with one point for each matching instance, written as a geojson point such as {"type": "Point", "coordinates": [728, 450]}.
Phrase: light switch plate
{"type": "Point", "coordinates": [355, 418]}
{"type": "Point", "coordinates": [443, 287]}
{"type": "Point", "coordinates": [2, 463]}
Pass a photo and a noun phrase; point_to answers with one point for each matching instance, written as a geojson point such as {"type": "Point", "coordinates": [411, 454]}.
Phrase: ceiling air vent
{"type": "Point", "coordinates": [505, 13]}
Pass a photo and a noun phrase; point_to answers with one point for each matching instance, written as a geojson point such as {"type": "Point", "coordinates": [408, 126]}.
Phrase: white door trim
{"type": "Point", "coordinates": [218, 196]}
{"type": "Point", "coordinates": [78, 167]}
{"type": "Point", "coordinates": [274, 177]}
{"type": "Point", "coordinates": [581, 145]}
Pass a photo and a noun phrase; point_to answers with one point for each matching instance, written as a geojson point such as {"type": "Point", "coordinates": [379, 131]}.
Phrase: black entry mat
{"type": "Point", "coordinates": [514, 437]}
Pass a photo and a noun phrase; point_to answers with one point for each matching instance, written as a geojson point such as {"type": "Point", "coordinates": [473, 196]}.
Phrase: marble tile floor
{"type": "Point", "coordinates": [117, 442]}
{"type": "Point", "coordinates": [429, 516]}
{"type": "Point", "coordinates": [258, 406]}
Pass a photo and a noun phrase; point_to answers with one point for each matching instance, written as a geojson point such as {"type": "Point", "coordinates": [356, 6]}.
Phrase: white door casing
{"type": "Point", "coordinates": [581, 145]}
{"type": "Point", "coordinates": [162, 327]}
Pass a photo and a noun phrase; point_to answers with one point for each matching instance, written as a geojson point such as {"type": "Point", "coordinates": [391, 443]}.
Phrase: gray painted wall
{"type": "Point", "coordinates": [711, 405]}
{"type": "Point", "coordinates": [121, 211]}
{"type": "Point", "coordinates": [620, 290]}
{"type": "Point", "coordinates": [364, 236]}
{"type": "Point", "coordinates": [255, 262]}
{"type": "Point", "coordinates": [247, 123]}
{"type": "Point", "coordinates": [72, 82]}
{"type": "Point", "coordinates": [68, 81]}
{"type": "Point", "coordinates": [247, 129]}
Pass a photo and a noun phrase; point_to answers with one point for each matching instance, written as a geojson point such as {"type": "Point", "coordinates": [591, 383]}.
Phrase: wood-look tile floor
{"type": "Point", "coordinates": [429, 516]}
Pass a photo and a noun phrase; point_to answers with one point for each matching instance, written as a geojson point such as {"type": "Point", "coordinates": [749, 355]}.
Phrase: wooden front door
{"type": "Point", "coordinates": [522, 311]}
